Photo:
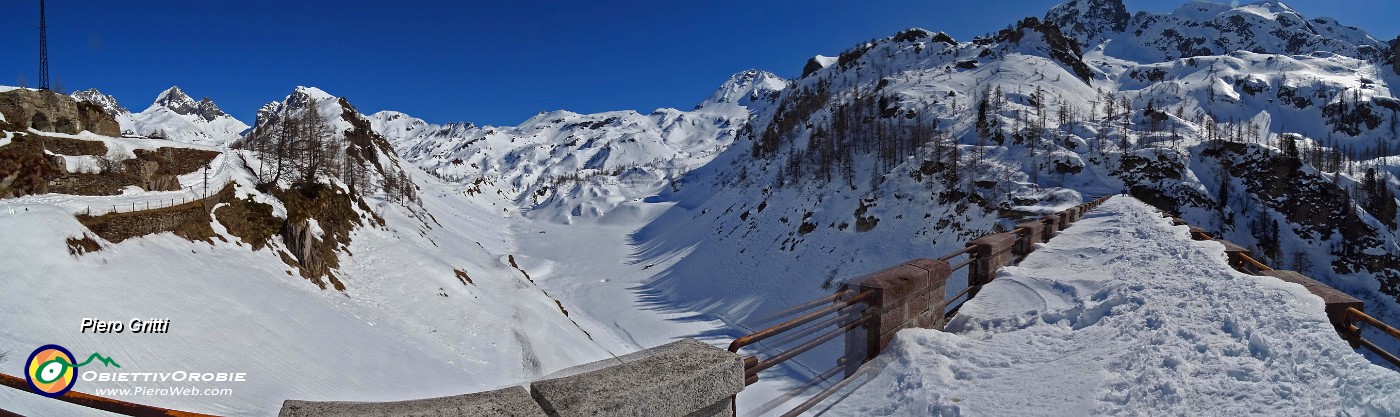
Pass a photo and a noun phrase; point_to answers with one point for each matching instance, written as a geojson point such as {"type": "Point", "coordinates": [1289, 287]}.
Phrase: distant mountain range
{"type": "Point", "coordinates": [1271, 129]}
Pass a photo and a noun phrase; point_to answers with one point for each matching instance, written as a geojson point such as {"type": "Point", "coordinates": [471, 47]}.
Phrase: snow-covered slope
{"type": "Point", "coordinates": [174, 116]}
{"type": "Point", "coordinates": [407, 326]}
{"type": "Point", "coordinates": [1207, 28]}
{"type": "Point", "coordinates": [432, 300]}
{"type": "Point", "coordinates": [563, 165]}
{"type": "Point", "coordinates": [766, 194]}
{"type": "Point", "coordinates": [909, 145]}
{"type": "Point", "coordinates": [1124, 314]}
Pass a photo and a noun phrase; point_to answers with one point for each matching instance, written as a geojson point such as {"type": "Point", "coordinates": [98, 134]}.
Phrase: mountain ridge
{"type": "Point", "coordinates": [172, 115]}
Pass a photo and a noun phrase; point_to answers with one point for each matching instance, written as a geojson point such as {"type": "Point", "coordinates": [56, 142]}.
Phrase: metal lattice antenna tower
{"type": "Point", "coordinates": [43, 49]}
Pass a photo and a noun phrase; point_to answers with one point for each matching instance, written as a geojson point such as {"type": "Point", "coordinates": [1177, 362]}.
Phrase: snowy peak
{"type": "Point", "coordinates": [106, 102]}
{"type": "Point", "coordinates": [304, 94]}
{"type": "Point", "coordinates": [175, 116]}
{"type": "Point", "coordinates": [1204, 28]}
{"type": "Point", "coordinates": [302, 97]}
{"type": "Point", "coordinates": [176, 100]}
{"type": "Point", "coordinates": [340, 121]}
{"type": "Point", "coordinates": [329, 106]}
{"type": "Point", "coordinates": [1090, 21]}
{"type": "Point", "coordinates": [208, 110]}
{"type": "Point", "coordinates": [752, 89]}
{"type": "Point", "coordinates": [562, 165]}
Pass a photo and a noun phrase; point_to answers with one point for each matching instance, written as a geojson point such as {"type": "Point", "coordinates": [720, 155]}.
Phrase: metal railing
{"type": "Point", "coordinates": [846, 313]}
{"type": "Point", "coordinates": [969, 288]}
{"type": "Point", "coordinates": [823, 320]}
{"type": "Point", "coordinates": [1357, 316]}
{"type": "Point", "coordinates": [1346, 323]}
{"type": "Point", "coordinates": [102, 403]}
{"type": "Point", "coordinates": [197, 194]}
{"type": "Point", "coordinates": [860, 308]}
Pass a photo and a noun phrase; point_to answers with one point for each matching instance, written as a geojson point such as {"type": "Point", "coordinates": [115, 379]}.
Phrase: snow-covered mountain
{"type": "Point", "coordinates": [174, 116]}
{"type": "Point", "coordinates": [494, 254]}
{"type": "Point", "coordinates": [563, 165]}
{"type": "Point", "coordinates": [1253, 121]}
{"type": "Point", "coordinates": [351, 288]}
{"type": "Point", "coordinates": [907, 146]}
{"type": "Point", "coordinates": [1205, 28]}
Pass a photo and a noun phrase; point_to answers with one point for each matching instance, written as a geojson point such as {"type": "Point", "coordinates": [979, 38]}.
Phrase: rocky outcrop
{"type": "Point", "coordinates": [318, 225]}
{"type": "Point", "coordinates": [107, 102]}
{"type": "Point", "coordinates": [52, 112]}
{"type": "Point", "coordinates": [177, 101]}
{"type": "Point", "coordinates": [1395, 55]}
{"type": "Point", "coordinates": [1089, 22]}
{"type": "Point", "coordinates": [1207, 28]}
{"type": "Point", "coordinates": [148, 176]}
{"type": "Point", "coordinates": [36, 164]}
{"type": "Point", "coordinates": [1062, 49]}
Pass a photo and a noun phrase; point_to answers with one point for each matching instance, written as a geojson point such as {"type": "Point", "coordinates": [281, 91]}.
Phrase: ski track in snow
{"type": "Point", "coordinates": [1123, 314]}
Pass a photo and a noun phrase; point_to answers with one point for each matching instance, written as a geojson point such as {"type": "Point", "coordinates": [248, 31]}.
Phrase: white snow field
{"type": "Point", "coordinates": [405, 328]}
{"type": "Point", "coordinates": [1124, 314]}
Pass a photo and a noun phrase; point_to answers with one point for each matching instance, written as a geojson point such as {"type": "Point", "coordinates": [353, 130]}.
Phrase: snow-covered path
{"type": "Point", "coordinates": [225, 168]}
{"type": "Point", "coordinates": [1123, 314]}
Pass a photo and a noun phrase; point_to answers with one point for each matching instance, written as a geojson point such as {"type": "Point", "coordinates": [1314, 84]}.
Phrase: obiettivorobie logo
{"type": "Point", "coordinates": [52, 372]}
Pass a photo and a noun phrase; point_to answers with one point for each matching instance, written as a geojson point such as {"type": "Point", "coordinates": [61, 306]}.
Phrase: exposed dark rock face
{"type": "Point", "coordinates": [1205, 28]}
{"type": "Point", "coordinates": [52, 112]}
{"type": "Point", "coordinates": [177, 101]}
{"type": "Point", "coordinates": [1395, 55]}
{"type": "Point", "coordinates": [1062, 49]}
{"type": "Point", "coordinates": [1089, 21]}
{"type": "Point", "coordinates": [107, 102]}
{"type": "Point", "coordinates": [315, 248]}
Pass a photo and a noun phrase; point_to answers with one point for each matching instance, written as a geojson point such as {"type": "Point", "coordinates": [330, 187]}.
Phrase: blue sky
{"type": "Point", "coordinates": [486, 62]}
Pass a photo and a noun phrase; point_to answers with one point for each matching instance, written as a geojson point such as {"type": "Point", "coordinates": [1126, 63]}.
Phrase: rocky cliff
{"type": "Point", "coordinates": [52, 112]}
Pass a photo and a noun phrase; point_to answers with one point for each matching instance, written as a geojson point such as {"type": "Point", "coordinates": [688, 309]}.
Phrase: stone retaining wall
{"type": "Point", "coordinates": [189, 219]}
{"type": "Point", "coordinates": [683, 378]}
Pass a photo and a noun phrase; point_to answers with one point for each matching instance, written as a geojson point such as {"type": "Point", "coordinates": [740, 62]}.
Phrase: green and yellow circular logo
{"type": "Point", "coordinates": [50, 371]}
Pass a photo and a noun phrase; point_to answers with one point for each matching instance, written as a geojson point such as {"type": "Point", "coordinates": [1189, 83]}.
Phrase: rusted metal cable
{"type": "Point", "coordinates": [102, 403]}
{"type": "Point", "coordinates": [790, 353]}
{"type": "Point", "coordinates": [790, 324]}
{"type": "Point", "coordinates": [822, 396]}
{"type": "Point", "coordinates": [955, 297]}
{"type": "Point", "coordinates": [793, 393]}
{"type": "Point", "coordinates": [1255, 263]}
{"type": "Point", "coordinates": [963, 263]}
{"type": "Point", "coordinates": [804, 306]}
{"type": "Point", "coordinates": [1379, 325]}
{"type": "Point", "coordinates": [1379, 352]}
{"type": "Point", "coordinates": [967, 250]}
{"type": "Point", "coordinates": [799, 333]}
